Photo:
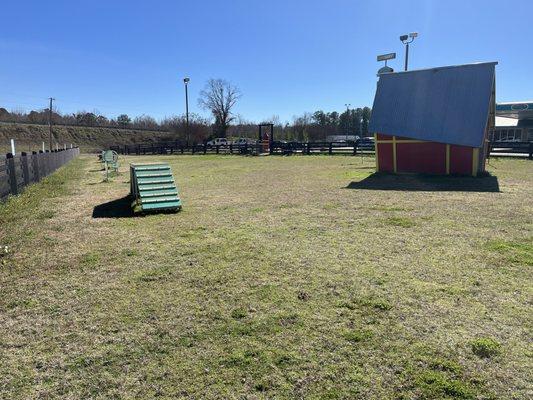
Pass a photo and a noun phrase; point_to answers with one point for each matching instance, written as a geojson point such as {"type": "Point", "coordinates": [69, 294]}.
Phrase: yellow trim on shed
{"type": "Point", "coordinates": [401, 141]}
{"type": "Point", "coordinates": [475, 161]}
{"type": "Point", "coordinates": [394, 164]}
{"type": "Point", "coordinates": [376, 151]}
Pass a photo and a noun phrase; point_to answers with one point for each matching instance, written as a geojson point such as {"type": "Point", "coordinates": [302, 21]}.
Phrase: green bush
{"type": "Point", "coordinates": [485, 347]}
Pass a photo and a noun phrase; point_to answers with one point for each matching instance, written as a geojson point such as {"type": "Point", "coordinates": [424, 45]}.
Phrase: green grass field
{"type": "Point", "coordinates": [283, 277]}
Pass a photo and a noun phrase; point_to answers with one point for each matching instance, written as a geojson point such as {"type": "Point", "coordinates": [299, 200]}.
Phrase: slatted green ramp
{"type": "Point", "coordinates": [153, 188]}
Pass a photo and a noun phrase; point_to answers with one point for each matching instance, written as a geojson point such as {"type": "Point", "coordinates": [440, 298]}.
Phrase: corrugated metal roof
{"type": "Point", "coordinates": [446, 104]}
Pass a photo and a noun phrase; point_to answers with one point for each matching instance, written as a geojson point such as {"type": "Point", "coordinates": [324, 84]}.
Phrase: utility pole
{"type": "Point", "coordinates": [186, 82]}
{"type": "Point", "coordinates": [50, 135]}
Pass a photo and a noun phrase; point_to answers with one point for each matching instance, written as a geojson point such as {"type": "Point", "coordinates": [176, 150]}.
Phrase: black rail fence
{"type": "Point", "coordinates": [511, 149]}
{"type": "Point", "coordinates": [18, 171]}
{"type": "Point", "coordinates": [517, 149]}
{"type": "Point", "coordinates": [246, 148]}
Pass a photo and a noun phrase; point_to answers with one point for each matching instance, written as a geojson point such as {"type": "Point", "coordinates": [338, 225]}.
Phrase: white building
{"type": "Point", "coordinates": [514, 122]}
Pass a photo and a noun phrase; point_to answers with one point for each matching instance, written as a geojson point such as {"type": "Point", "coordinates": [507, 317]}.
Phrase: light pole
{"type": "Point", "coordinates": [406, 39]}
{"type": "Point", "coordinates": [347, 120]}
{"type": "Point", "coordinates": [186, 82]}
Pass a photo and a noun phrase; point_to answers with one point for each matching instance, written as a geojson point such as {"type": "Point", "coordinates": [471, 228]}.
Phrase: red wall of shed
{"type": "Point", "coordinates": [423, 157]}
{"type": "Point", "coordinates": [427, 158]}
{"type": "Point", "coordinates": [460, 160]}
{"type": "Point", "coordinates": [386, 163]}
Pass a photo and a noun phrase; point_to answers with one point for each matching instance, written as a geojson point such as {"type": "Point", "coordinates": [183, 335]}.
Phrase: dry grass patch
{"type": "Point", "coordinates": [275, 281]}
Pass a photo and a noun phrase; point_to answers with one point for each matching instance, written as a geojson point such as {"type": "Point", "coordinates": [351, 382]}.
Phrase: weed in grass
{"type": "Point", "coordinates": [129, 253]}
{"type": "Point", "coordinates": [376, 303]}
{"type": "Point", "coordinates": [517, 252]}
{"type": "Point", "coordinates": [243, 359]}
{"type": "Point", "coordinates": [436, 385]}
{"type": "Point", "coordinates": [357, 335]}
{"type": "Point", "coordinates": [46, 214]}
{"type": "Point", "coordinates": [287, 319]}
{"type": "Point", "coordinates": [331, 206]}
{"type": "Point", "coordinates": [239, 313]}
{"type": "Point", "coordinates": [152, 274]}
{"type": "Point", "coordinates": [403, 222]}
{"type": "Point", "coordinates": [485, 347]}
{"type": "Point", "coordinates": [445, 365]}
{"type": "Point", "coordinates": [282, 358]}
{"type": "Point", "coordinates": [350, 305]}
{"type": "Point", "coordinates": [387, 208]}
{"type": "Point", "coordinates": [90, 259]}
{"type": "Point", "coordinates": [22, 303]}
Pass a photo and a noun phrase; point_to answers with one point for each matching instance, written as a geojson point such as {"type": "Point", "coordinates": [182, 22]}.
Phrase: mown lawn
{"type": "Point", "coordinates": [283, 277]}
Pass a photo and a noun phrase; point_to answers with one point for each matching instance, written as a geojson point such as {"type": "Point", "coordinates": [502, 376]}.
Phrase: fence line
{"type": "Point", "coordinates": [520, 149]}
{"type": "Point", "coordinates": [18, 171]}
{"type": "Point", "coordinates": [176, 147]}
{"type": "Point", "coordinates": [511, 148]}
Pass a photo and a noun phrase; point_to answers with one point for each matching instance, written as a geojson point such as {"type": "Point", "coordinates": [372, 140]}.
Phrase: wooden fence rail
{"type": "Point", "coordinates": [18, 171]}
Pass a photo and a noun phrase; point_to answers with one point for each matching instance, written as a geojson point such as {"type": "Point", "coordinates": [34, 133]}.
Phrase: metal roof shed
{"type": "Point", "coordinates": [434, 120]}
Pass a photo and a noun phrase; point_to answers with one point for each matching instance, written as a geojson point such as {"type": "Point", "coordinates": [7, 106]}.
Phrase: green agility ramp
{"type": "Point", "coordinates": [153, 188]}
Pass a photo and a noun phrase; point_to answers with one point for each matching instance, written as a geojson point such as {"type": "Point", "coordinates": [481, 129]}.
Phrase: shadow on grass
{"type": "Point", "coordinates": [429, 183]}
{"type": "Point", "coordinates": [119, 208]}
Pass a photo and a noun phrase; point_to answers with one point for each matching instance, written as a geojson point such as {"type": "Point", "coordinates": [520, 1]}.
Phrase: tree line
{"type": "Point", "coordinates": [219, 97]}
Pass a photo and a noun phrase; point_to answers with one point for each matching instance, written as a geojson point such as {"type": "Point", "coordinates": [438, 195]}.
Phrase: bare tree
{"type": "Point", "coordinates": [219, 97]}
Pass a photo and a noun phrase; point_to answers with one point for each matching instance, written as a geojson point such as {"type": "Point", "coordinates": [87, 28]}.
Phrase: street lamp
{"type": "Point", "coordinates": [406, 39]}
{"type": "Point", "coordinates": [186, 82]}
{"type": "Point", "coordinates": [347, 120]}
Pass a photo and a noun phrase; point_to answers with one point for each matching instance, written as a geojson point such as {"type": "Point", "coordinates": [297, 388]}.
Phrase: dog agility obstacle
{"type": "Point", "coordinates": [152, 188]}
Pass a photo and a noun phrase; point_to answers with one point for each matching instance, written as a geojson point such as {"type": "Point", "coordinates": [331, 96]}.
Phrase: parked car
{"type": "Point", "coordinates": [243, 141]}
{"type": "Point", "coordinates": [218, 142]}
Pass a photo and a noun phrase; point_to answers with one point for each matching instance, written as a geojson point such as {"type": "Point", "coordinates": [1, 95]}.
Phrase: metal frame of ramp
{"type": "Point", "coordinates": [152, 188]}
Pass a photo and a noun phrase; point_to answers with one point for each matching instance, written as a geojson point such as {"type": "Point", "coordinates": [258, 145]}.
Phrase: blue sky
{"type": "Point", "coordinates": [287, 57]}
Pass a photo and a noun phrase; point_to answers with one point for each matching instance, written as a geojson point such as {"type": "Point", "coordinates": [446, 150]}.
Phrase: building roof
{"type": "Point", "coordinates": [515, 109]}
{"type": "Point", "coordinates": [446, 104]}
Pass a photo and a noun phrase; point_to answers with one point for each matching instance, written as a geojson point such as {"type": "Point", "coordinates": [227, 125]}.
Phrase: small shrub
{"type": "Point", "coordinates": [485, 347]}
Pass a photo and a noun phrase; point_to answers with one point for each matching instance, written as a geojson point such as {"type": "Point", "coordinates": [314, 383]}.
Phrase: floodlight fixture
{"type": "Point", "coordinates": [406, 39]}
